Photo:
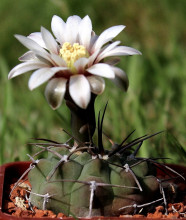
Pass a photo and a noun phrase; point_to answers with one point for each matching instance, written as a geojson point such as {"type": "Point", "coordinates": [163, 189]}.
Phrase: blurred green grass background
{"type": "Point", "coordinates": [155, 101]}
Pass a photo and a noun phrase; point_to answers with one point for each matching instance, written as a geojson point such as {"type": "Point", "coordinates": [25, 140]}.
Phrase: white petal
{"type": "Point", "coordinates": [93, 39]}
{"type": "Point", "coordinates": [55, 91]}
{"type": "Point", "coordinates": [80, 64]}
{"type": "Point", "coordinates": [41, 76]}
{"type": "Point", "coordinates": [33, 46]}
{"type": "Point", "coordinates": [28, 56]}
{"type": "Point", "coordinates": [36, 36]}
{"type": "Point", "coordinates": [49, 62]}
{"type": "Point", "coordinates": [121, 79]}
{"type": "Point", "coordinates": [31, 56]}
{"type": "Point", "coordinates": [101, 69]}
{"type": "Point", "coordinates": [71, 29]}
{"type": "Point", "coordinates": [93, 57]}
{"type": "Point", "coordinates": [85, 30]}
{"type": "Point", "coordinates": [107, 35]}
{"type": "Point", "coordinates": [49, 40]}
{"type": "Point", "coordinates": [106, 50]}
{"type": "Point", "coordinates": [113, 61]}
{"type": "Point", "coordinates": [79, 89]}
{"type": "Point", "coordinates": [58, 60]}
{"type": "Point", "coordinates": [58, 26]}
{"type": "Point", "coordinates": [25, 67]}
{"type": "Point", "coordinates": [122, 51]}
{"type": "Point", "coordinates": [97, 84]}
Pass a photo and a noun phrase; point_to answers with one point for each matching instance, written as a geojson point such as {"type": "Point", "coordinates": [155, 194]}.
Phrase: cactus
{"type": "Point", "coordinates": [89, 180]}
{"type": "Point", "coordinates": [84, 179]}
{"type": "Point", "coordinates": [69, 187]}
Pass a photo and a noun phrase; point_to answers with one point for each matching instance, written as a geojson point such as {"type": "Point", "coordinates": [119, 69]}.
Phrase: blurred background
{"type": "Point", "coordinates": [156, 98]}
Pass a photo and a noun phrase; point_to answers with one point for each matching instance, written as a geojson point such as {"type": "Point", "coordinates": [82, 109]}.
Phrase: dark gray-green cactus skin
{"type": "Point", "coordinates": [73, 197]}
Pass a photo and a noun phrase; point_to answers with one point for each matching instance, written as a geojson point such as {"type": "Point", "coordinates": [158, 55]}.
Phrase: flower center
{"type": "Point", "coordinates": [71, 53]}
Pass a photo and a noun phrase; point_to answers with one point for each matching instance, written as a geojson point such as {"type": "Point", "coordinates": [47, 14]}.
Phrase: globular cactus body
{"type": "Point", "coordinates": [68, 184]}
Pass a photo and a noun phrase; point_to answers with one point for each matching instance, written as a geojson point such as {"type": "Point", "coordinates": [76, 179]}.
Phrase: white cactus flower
{"type": "Point", "coordinates": [72, 59]}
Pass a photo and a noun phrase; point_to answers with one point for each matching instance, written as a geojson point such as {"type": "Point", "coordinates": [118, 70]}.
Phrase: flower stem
{"type": "Point", "coordinates": [82, 120]}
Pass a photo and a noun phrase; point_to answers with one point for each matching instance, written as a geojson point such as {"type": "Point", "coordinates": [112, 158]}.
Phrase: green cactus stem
{"type": "Point", "coordinates": [90, 181]}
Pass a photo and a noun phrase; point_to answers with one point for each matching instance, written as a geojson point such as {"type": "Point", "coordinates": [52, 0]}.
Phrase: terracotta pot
{"type": "Point", "coordinates": [12, 171]}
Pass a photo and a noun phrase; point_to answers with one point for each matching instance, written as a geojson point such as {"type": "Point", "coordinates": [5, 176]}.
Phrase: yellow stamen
{"type": "Point", "coordinates": [71, 53]}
